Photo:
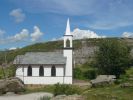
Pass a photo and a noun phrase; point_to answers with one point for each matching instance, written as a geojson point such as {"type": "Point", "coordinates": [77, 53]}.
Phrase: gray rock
{"type": "Point", "coordinates": [126, 85]}
{"type": "Point", "coordinates": [69, 97]}
{"type": "Point", "coordinates": [59, 97]}
{"type": "Point", "coordinates": [11, 85]}
{"type": "Point", "coordinates": [102, 80]}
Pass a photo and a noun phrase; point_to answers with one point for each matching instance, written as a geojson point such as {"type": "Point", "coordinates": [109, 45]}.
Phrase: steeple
{"type": "Point", "coordinates": [68, 36]}
{"type": "Point", "coordinates": [68, 54]}
{"type": "Point", "coordinates": [68, 32]}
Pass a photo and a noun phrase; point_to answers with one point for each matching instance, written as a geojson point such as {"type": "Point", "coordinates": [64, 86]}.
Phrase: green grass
{"type": "Point", "coordinates": [46, 88]}
{"type": "Point", "coordinates": [114, 92]}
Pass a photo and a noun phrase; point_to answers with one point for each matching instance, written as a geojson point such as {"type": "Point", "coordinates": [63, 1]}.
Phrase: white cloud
{"type": "Point", "coordinates": [18, 15]}
{"type": "Point", "coordinates": [23, 35]}
{"type": "Point", "coordinates": [36, 35]}
{"type": "Point", "coordinates": [20, 36]}
{"type": "Point", "coordinates": [2, 32]}
{"type": "Point", "coordinates": [12, 48]}
{"type": "Point", "coordinates": [127, 35]}
{"type": "Point", "coordinates": [81, 34]}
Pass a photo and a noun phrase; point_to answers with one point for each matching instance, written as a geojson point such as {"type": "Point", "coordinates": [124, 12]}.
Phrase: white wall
{"type": "Point", "coordinates": [46, 80]}
{"type": "Point", "coordinates": [35, 70]}
{"type": "Point", "coordinates": [68, 80]}
{"type": "Point", "coordinates": [47, 71]}
{"type": "Point", "coordinates": [43, 80]}
{"type": "Point", "coordinates": [68, 54]}
{"type": "Point", "coordinates": [36, 79]}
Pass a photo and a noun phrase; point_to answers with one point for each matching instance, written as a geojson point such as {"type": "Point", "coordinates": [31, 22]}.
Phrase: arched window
{"type": "Point", "coordinates": [67, 43]}
{"type": "Point", "coordinates": [29, 72]}
{"type": "Point", "coordinates": [53, 71]}
{"type": "Point", "coordinates": [41, 71]}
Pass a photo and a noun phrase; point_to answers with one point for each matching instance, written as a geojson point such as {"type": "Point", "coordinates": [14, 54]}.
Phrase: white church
{"type": "Point", "coordinates": [47, 67]}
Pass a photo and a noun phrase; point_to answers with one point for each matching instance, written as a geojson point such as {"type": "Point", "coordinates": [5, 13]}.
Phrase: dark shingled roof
{"type": "Point", "coordinates": [40, 58]}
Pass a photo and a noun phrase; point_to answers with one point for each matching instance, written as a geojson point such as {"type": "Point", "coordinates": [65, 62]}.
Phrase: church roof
{"type": "Point", "coordinates": [40, 58]}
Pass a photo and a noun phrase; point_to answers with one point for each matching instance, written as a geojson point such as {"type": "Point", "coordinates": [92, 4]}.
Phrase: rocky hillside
{"type": "Point", "coordinates": [83, 49]}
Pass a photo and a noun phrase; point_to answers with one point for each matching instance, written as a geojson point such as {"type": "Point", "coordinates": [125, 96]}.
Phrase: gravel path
{"type": "Point", "coordinates": [31, 96]}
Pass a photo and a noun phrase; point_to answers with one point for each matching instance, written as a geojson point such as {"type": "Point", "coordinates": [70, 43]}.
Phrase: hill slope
{"type": "Point", "coordinates": [83, 49]}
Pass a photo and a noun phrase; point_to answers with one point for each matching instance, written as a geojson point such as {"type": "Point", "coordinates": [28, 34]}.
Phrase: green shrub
{"type": "Point", "coordinates": [8, 71]}
{"type": "Point", "coordinates": [61, 89]}
{"type": "Point", "coordinates": [83, 74]}
{"type": "Point", "coordinates": [78, 74]}
{"type": "Point", "coordinates": [90, 74]}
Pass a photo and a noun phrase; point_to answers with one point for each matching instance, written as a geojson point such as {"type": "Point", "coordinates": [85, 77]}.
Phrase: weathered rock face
{"type": "Point", "coordinates": [11, 85]}
{"type": "Point", "coordinates": [69, 97]}
{"type": "Point", "coordinates": [87, 51]}
{"type": "Point", "coordinates": [84, 54]}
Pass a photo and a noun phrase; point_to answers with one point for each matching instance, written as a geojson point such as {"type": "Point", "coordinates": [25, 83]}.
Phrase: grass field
{"type": "Point", "coordinates": [109, 93]}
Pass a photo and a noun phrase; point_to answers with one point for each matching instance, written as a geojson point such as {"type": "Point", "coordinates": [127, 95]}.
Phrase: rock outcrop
{"type": "Point", "coordinates": [103, 80]}
{"type": "Point", "coordinates": [69, 97]}
{"type": "Point", "coordinates": [11, 85]}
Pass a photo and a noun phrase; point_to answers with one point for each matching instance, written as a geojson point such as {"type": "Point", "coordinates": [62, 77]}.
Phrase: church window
{"type": "Point", "coordinates": [53, 71]}
{"type": "Point", "coordinates": [67, 43]}
{"type": "Point", "coordinates": [29, 71]}
{"type": "Point", "coordinates": [41, 71]}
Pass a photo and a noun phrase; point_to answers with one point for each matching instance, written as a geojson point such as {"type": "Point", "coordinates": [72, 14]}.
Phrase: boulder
{"type": "Point", "coordinates": [69, 97]}
{"type": "Point", "coordinates": [126, 85]}
{"type": "Point", "coordinates": [103, 80]}
{"type": "Point", "coordinates": [11, 85]}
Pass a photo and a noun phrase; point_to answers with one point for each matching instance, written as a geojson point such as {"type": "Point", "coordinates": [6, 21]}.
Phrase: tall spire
{"type": "Point", "coordinates": [68, 32]}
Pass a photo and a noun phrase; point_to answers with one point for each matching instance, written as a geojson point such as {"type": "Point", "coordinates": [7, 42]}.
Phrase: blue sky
{"type": "Point", "coordinates": [24, 22]}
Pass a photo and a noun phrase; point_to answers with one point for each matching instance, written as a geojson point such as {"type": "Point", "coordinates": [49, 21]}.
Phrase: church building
{"type": "Point", "coordinates": [47, 67]}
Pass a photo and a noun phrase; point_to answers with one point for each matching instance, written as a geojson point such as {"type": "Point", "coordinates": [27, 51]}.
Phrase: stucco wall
{"type": "Point", "coordinates": [42, 80]}
{"type": "Point", "coordinates": [68, 54]}
{"type": "Point", "coordinates": [21, 73]}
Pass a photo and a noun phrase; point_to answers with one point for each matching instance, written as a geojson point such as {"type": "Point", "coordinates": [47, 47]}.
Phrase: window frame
{"type": "Point", "coordinates": [53, 71]}
{"type": "Point", "coordinates": [41, 71]}
{"type": "Point", "coordinates": [29, 70]}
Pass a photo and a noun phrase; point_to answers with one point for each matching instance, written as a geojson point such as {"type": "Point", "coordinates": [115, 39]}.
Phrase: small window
{"type": "Point", "coordinates": [67, 43]}
{"type": "Point", "coordinates": [29, 73]}
{"type": "Point", "coordinates": [41, 71]}
{"type": "Point", "coordinates": [53, 71]}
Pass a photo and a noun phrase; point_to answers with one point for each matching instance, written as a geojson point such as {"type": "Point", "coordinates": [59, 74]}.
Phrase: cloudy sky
{"type": "Point", "coordinates": [24, 22]}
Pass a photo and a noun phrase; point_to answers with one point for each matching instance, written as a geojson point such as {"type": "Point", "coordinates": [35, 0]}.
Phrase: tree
{"type": "Point", "coordinates": [112, 57]}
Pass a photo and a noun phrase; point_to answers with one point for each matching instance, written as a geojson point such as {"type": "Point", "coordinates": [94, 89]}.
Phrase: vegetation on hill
{"type": "Point", "coordinates": [113, 57]}
{"type": "Point", "coordinates": [38, 47]}
{"type": "Point", "coordinates": [51, 46]}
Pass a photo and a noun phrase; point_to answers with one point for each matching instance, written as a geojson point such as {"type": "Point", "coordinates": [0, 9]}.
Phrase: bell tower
{"type": "Point", "coordinates": [68, 53]}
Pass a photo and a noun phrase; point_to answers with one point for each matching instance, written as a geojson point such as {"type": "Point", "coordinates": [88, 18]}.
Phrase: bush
{"type": "Point", "coordinates": [85, 74]}
{"type": "Point", "coordinates": [61, 89]}
{"type": "Point", "coordinates": [78, 74]}
{"type": "Point", "coordinates": [8, 71]}
{"type": "Point", "coordinates": [113, 57]}
{"type": "Point", "coordinates": [90, 74]}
